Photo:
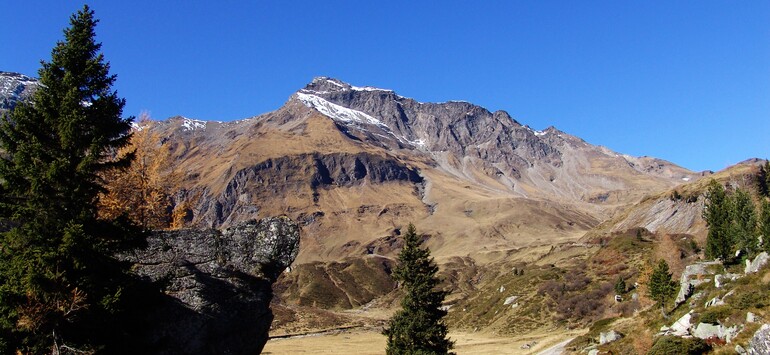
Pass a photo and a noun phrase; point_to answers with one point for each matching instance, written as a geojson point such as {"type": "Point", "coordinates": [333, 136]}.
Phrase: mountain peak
{"type": "Point", "coordinates": [326, 85]}
{"type": "Point", "coordinates": [15, 87]}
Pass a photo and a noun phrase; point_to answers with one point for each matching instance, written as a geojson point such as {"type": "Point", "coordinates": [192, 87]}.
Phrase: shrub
{"type": "Point", "coordinates": [712, 315]}
{"type": "Point", "coordinates": [672, 345]}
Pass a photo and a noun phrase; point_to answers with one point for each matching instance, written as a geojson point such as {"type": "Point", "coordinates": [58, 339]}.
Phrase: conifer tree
{"type": "Point", "coordinates": [764, 225]}
{"type": "Point", "coordinates": [743, 222]}
{"type": "Point", "coordinates": [661, 286]}
{"type": "Point", "coordinates": [58, 280]}
{"type": "Point", "coordinates": [717, 215]}
{"type": "Point", "coordinates": [418, 328]}
{"type": "Point", "coordinates": [142, 192]}
{"type": "Point", "coordinates": [620, 286]}
{"type": "Point", "coordinates": [763, 179]}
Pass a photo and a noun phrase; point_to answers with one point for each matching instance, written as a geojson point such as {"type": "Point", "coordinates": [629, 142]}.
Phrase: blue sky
{"type": "Point", "coordinates": [686, 81]}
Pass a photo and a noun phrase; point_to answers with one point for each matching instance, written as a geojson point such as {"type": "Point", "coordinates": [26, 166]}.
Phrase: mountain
{"type": "Point", "coordinates": [15, 87]}
{"type": "Point", "coordinates": [356, 164]}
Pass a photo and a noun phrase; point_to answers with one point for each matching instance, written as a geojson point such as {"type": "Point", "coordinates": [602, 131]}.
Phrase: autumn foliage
{"type": "Point", "coordinates": [142, 192]}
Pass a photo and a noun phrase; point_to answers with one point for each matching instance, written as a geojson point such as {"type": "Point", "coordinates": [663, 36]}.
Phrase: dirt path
{"type": "Point", "coordinates": [557, 349]}
{"type": "Point", "coordinates": [369, 341]}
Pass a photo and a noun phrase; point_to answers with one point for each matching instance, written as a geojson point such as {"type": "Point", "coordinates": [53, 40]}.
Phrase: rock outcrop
{"type": "Point", "coordinates": [760, 342]}
{"type": "Point", "coordinates": [753, 266]}
{"type": "Point", "coordinates": [217, 286]}
{"type": "Point", "coordinates": [15, 87]}
{"type": "Point", "coordinates": [694, 275]}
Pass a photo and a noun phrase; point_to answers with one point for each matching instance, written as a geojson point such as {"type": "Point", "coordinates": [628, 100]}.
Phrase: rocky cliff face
{"type": "Point", "coordinates": [302, 175]}
{"type": "Point", "coordinates": [15, 87]}
{"type": "Point", "coordinates": [355, 164]}
{"type": "Point", "coordinates": [461, 137]}
{"type": "Point", "coordinates": [217, 286]}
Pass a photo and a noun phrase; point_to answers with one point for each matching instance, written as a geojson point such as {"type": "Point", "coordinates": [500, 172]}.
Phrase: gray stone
{"type": "Point", "coordinates": [692, 276]}
{"type": "Point", "coordinates": [682, 326]}
{"type": "Point", "coordinates": [740, 350]}
{"type": "Point", "coordinates": [714, 302]}
{"type": "Point", "coordinates": [750, 317]}
{"type": "Point", "coordinates": [510, 300]}
{"type": "Point", "coordinates": [719, 280]}
{"type": "Point", "coordinates": [753, 266]}
{"type": "Point", "coordinates": [593, 352]}
{"type": "Point", "coordinates": [215, 287]}
{"type": "Point", "coordinates": [760, 342]}
{"type": "Point", "coordinates": [608, 337]}
{"type": "Point", "coordinates": [706, 331]}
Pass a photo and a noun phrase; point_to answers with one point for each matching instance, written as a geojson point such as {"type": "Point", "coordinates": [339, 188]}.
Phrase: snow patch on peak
{"type": "Point", "coordinates": [190, 124]}
{"type": "Point", "coordinates": [138, 127]}
{"type": "Point", "coordinates": [330, 81]}
{"type": "Point", "coordinates": [337, 112]}
{"type": "Point", "coordinates": [368, 88]}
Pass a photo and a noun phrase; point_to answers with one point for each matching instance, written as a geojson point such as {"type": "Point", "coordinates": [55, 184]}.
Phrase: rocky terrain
{"type": "Point", "coordinates": [355, 164]}
{"type": "Point", "coordinates": [531, 228]}
{"type": "Point", "coordinates": [15, 87]}
{"type": "Point", "coordinates": [216, 287]}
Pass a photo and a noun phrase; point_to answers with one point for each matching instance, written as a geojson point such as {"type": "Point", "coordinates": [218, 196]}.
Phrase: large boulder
{"type": "Point", "coordinates": [711, 331]}
{"type": "Point", "coordinates": [753, 266]}
{"type": "Point", "coordinates": [216, 286]}
{"type": "Point", "coordinates": [682, 326]}
{"type": "Point", "coordinates": [608, 337]}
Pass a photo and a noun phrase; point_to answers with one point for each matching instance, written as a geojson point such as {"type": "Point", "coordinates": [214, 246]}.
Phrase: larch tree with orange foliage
{"type": "Point", "coordinates": [142, 192]}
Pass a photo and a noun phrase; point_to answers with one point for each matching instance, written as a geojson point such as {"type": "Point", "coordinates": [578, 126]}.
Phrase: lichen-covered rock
{"type": "Point", "coordinates": [608, 337]}
{"type": "Point", "coordinates": [760, 342]}
{"type": "Point", "coordinates": [753, 266]}
{"type": "Point", "coordinates": [216, 286]}
{"type": "Point", "coordinates": [692, 276]}
{"type": "Point", "coordinates": [708, 331]}
{"type": "Point", "coordinates": [682, 326]}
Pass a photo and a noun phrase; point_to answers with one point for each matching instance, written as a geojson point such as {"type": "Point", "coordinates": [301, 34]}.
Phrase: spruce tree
{"type": "Point", "coordinates": [764, 225]}
{"type": "Point", "coordinates": [418, 328]}
{"type": "Point", "coordinates": [717, 215]}
{"type": "Point", "coordinates": [763, 179]}
{"type": "Point", "coordinates": [58, 280]}
{"type": "Point", "coordinates": [743, 222]}
{"type": "Point", "coordinates": [661, 286]}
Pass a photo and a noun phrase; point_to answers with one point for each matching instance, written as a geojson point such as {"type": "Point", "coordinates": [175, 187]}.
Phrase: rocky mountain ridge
{"type": "Point", "coordinates": [15, 87]}
{"type": "Point", "coordinates": [360, 162]}
{"type": "Point", "coordinates": [463, 138]}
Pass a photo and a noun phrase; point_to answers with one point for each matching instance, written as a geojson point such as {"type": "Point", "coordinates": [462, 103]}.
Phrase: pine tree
{"type": "Point", "coordinates": [58, 279]}
{"type": "Point", "coordinates": [763, 179]}
{"type": "Point", "coordinates": [661, 286]}
{"type": "Point", "coordinates": [767, 178]}
{"type": "Point", "coordinates": [764, 225]}
{"type": "Point", "coordinates": [620, 286]}
{"type": "Point", "coordinates": [717, 215]}
{"type": "Point", "coordinates": [743, 222]}
{"type": "Point", "coordinates": [418, 328]}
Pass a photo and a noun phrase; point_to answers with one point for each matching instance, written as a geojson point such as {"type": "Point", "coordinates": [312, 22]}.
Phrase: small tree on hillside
{"type": "Point", "coordinates": [717, 215]}
{"type": "Point", "coordinates": [661, 287]}
{"type": "Point", "coordinates": [764, 225]}
{"type": "Point", "coordinates": [743, 222]}
{"type": "Point", "coordinates": [418, 328]}
{"type": "Point", "coordinates": [763, 180]}
{"type": "Point", "coordinates": [620, 286]}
